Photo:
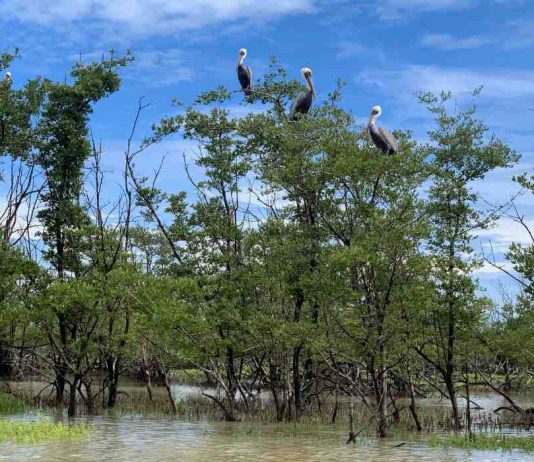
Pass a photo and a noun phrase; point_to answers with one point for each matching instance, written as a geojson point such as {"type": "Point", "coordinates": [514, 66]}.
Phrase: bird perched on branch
{"type": "Point", "coordinates": [304, 100]}
{"type": "Point", "coordinates": [244, 73]}
{"type": "Point", "coordinates": [7, 78]}
{"type": "Point", "coordinates": [380, 136]}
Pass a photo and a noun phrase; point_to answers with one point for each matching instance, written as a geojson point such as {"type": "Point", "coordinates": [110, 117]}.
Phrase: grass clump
{"type": "Point", "coordinates": [10, 404]}
{"type": "Point", "coordinates": [483, 442]}
{"type": "Point", "coordinates": [39, 431]}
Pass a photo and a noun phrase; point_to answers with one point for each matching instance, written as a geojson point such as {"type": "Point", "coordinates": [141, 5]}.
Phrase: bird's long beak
{"type": "Point", "coordinates": [372, 118]}
{"type": "Point", "coordinates": [310, 84]}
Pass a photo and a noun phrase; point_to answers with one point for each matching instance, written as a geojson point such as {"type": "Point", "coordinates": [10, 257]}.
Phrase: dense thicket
{"type": "Point", "coordinates": [306, 263]}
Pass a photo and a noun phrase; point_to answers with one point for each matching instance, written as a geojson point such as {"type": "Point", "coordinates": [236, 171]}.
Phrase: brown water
{"type": "Point", "coordinates": [146, 439]}
{"type": "Point", "coordinates": [143, 439]}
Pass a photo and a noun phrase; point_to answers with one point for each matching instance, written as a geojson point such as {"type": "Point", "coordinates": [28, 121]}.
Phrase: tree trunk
{"type": "Point", "coordinates": [89, 401]}
{"type": "Point", "coordinates": [336, 405]}
{"type": "Point", "coordinates": [169, 393]}
{"type": "Point", "coordinates": [276, 385]}
{"type": "Point", "coordinates": [71, 412]}
{"type": "Point", "coordinates": [352, 433]}
{"type": "Point", "coordinates": [113, 380]}
{"type": "Point", "coordinates": [468, 408]}
{"type": "Point", "coordinates": [382, 411]}
{"type": "Point", "coordinates": [296, 381]}
{"type": "Point", "coordinates": [413, 407]}
{"type": "Point", "coordinates": [149, 385]}
{"type": "Point", "coordinates": [5, 361]}
{"type": "Point", "coordinates": [297, 386]}
{"type": "Point", "coordinates": [451, 390]}
{"type": "Point", "coordinates": [61, 367]}
{"type": "Point", "coordinates": [146, 371]}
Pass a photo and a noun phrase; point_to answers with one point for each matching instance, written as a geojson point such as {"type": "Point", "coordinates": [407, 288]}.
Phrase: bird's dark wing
{"type": "Point", "coordinates": [389, 139]}
{"type": "Point", "coordinates": [249, 72]}
{"type": "Point", "coordinates": [302, 104]}
{"type": "Point", "coordinates": [243, 76]}
{"type": "Point", "coordinates": [377, 139]}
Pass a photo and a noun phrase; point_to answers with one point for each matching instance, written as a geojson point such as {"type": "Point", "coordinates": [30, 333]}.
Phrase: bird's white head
{"type": "Point", "coordinates": [376, 110]}
{"type": "Point", "coordinates": [241, 56]}
{"type": "Point", "coordinates": [8, 76]}
{"type": "Point", "coordinates": [307, 75]}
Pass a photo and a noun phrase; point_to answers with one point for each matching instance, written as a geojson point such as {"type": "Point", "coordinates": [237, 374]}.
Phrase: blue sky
{"type": "Point", "coordinates": [385, 50]}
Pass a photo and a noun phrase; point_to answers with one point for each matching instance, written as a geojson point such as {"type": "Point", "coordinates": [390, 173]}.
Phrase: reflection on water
{"type": "Point", "coordinates": [146, 439]}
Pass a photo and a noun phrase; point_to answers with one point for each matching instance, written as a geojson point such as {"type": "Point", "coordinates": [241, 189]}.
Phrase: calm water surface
{"type": "Point", "coordinates": [147, 439]}
{"type": "Point", "coordinates": [143, 439]}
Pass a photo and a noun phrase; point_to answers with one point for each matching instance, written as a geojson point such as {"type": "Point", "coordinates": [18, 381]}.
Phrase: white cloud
{"type": "Point", "coordinates": [505, 231]}
{"type": "Point", "coordinates": [25, 223]}
{"type": "Point", "coordinates": [151, 17]}
{"type": "Point", "coordinates": [347, 49]}
{"type": "Point", "coordinates": [512, 35]}
{"type": "Point", "coordinates": [449, 42]}
{"type": "Point", "coordinates": [488, 269]}
{"type": "Point", "coordinates": [412, 78]}
{"type": "Point", "coordinates": [401, 9]}
{"type": "Point", "coordinates": [161, 67]}
{"type": "Point", "coordinates": [520, 34]}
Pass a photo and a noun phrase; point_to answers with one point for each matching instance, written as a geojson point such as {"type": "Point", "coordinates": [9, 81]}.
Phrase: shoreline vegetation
{"type": "Point", "coordinates": [291, 258]}
{"type": "Point", "coordinates": [40, 431]}
{"type": "Point", "coordinates": [483, 442]}
{"type": "Point", "coordinates": [37, 430]}
{"type": "Point", "coordinates": [485, 436]}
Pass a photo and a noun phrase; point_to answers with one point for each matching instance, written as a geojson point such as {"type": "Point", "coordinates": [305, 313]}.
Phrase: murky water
{"type": "Point", "coordinates": [146, 439]}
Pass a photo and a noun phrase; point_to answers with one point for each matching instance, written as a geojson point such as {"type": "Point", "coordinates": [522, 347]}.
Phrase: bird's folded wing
{"type": "Point", "coordinates": [249, 72]}
{"type": "Point", "coordinates": [389, 138]}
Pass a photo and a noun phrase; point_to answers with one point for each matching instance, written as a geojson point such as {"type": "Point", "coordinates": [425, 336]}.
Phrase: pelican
{"type": "Point", "coordinates": [381, 137]}
{"type": "Point", "coordinates": [304, 100]}
{"type": "Point", "coordinates": [244, 73]}
{"type": "Point", "coordinates": [7, 78]}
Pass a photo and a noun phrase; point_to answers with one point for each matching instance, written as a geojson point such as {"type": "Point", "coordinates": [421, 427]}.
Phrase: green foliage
{"type": "Point", "coordinates": [9, 404]}
{"type": "Point", "coordinates": [40, 431]}
{"type": "Point", "coordinates": [483, 442]}
{"type": "Point", "coordinates": [459, 153]}
{"type": "Point", "coordinates": [97, 80]}
{"type": "Point", "coordinates": [63, 150]}
{"type": "Point", "coordinates": [306, 262]}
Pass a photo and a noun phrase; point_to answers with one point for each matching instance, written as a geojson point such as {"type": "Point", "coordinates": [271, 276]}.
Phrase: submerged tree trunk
{"type": "Point", "coordinates": [60, 386]}
{"type": "Point", "coordinates": [71, 411]}
{"type": "Point", "coordinates": [113, 380]}
{"type": "Point", "coordinates": [169, 392]}
{"type": "Point", "coordinates": [89, 399]}
{"type": "Point", "coordinates": [336, 404]}
{"type": "Point", "coordinates": [61, 366]}
{"type": "Point", "coordinates": [146, 371]}
{"type": "Point", "coordinates": [468, 404]}
{"type": "Point", "coordinates": [383, 425]}
{"type": "Point", "coordinates": [352, 433]}
{"type": "Point", "coordinates": [451, 390]}
{"type": "Point", "coordinates": [276, 385]}
{"type": "Point", "coordinates": [413, 406]}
